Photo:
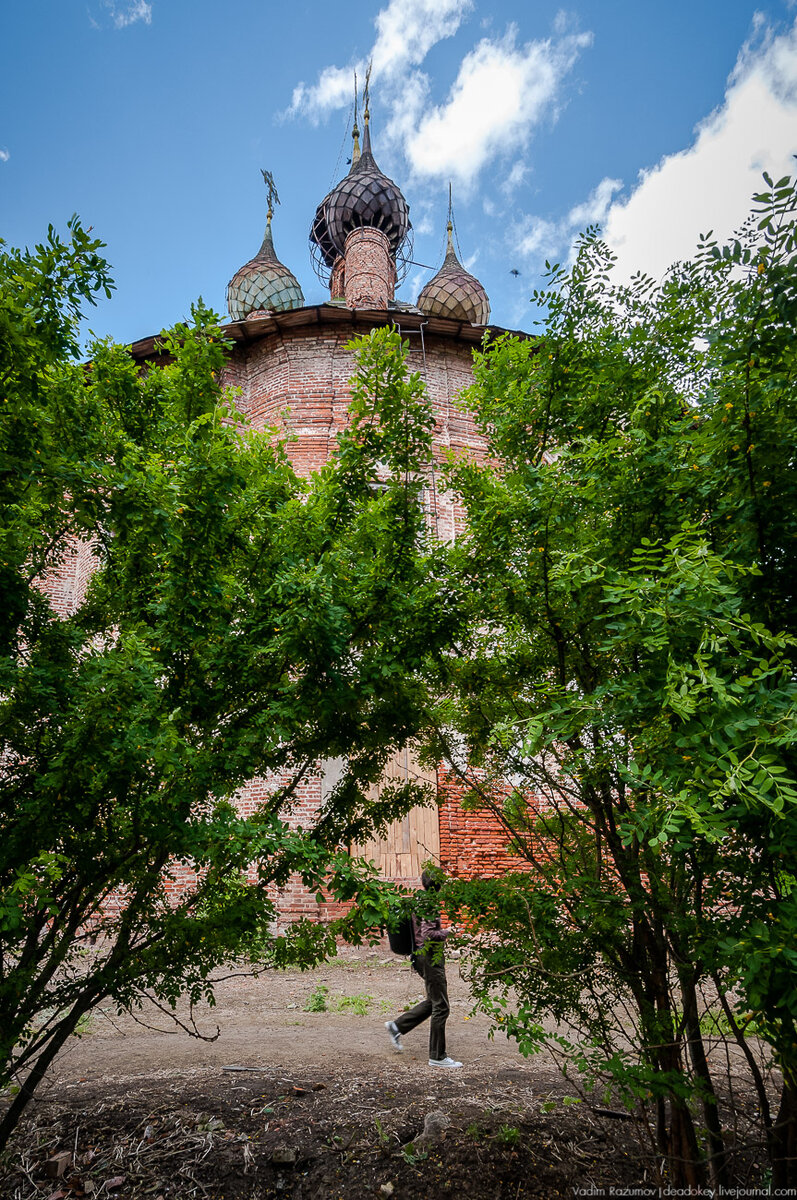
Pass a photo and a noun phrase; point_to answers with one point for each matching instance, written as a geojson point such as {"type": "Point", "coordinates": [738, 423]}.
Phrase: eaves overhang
{"type": "Point", "coordinates": [254, 329]}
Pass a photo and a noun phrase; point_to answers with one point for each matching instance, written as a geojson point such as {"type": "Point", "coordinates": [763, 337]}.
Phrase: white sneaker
{"type": "Point", "coordinates": [395, 1036]}
{"type": "Point", "coordinates": [444, 1062]}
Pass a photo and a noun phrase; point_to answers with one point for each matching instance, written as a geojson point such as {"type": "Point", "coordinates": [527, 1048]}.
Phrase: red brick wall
{"type": "Point", "coordinates": [298, 382]}
{"type": "Point", "coordinates": [337, 280]}
{"type": "Point", "coordinates": [294, 899]}
{"type": "Point", "coordinates": [369, 278]}
{"type": "Point", "coordinates": [471, 843]}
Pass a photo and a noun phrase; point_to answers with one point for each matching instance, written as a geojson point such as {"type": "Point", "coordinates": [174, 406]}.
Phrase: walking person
{"type": "Point", "coordinates": [428, 961]}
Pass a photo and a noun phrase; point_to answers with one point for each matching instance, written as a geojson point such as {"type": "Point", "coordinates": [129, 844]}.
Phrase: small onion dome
{"type": "Point", "coordinates": [363, 198]}
{"type": "Point", "coordinates": [454, 292]}
{"type": "Point", "coordinates": [263, 283]}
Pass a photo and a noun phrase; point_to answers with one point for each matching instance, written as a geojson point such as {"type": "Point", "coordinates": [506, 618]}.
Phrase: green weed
{"type": "Point", "coordinates": [509, 1135]}
{"type": "Point", "coordinates": [382, 1134]}
{"type": "Point", "coordinates": [714, 1023]}
{"type": "Point", "coordinates": [317, 1001]}
{"type": "Point", "coordinates": [358, 1004]}
{"type": "Point", "coordinates": [413, 1156]}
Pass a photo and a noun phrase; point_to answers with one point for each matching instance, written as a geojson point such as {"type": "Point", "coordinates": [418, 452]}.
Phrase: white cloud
{"type": "Point", "coordinates": [415, 282]}
{"type": "Point", "coordinates": [5, 155]}
{"type": "Point", "coordinates": [406, 104]}
{"type": "Point", "coordinates": [135, 10]}
{"type": "Point", "coordinates": [534, 237]}
{"type": "Point", "coordinates": [501, 92]}
{"type": "Point", "coordinates": [515, 177]}
{"type": "Point", "coordinates": [333, 90]}
{"type": "Point", "coordinates": [503, 88]}
{"type": "Point", "coordinates": [709, 185]}
{"type": "Point", "coordinates": [594, 210]}
{"type": "Point", "coordinates": [406, 30]}
{"type": "Point", "coordinates": [537, 238]}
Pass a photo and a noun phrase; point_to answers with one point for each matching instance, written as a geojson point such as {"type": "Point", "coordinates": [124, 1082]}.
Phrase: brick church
{"type": "Point", "coordinates": [290, 368]}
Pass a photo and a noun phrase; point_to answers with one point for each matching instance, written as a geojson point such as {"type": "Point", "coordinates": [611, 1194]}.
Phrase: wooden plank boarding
{"type": "Point", "coordinates": [411, 840]}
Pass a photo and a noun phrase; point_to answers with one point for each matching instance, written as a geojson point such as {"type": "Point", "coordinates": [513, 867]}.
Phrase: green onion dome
{"type": "Point", "coordinates": [263, 283]}
{"type": "Point", "coordinates": [454, 292]}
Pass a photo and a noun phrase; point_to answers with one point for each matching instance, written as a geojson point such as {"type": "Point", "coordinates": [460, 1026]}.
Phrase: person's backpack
{"type": "Point", "coordinates": [401, 938]}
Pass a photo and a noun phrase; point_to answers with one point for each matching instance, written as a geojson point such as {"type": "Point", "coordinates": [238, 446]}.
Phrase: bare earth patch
{"type": "Point", "coordinates": [308, 1105]}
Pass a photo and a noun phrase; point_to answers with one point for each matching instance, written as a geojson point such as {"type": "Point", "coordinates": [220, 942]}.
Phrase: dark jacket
{"type": "Point", "coordinates": [427, 929]}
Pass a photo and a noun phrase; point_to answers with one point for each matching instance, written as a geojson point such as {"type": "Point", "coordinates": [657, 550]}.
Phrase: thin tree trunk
{"type": "Point", "coordinates": [27, 1090]}
{"type": "Point", "coordinates": [758, 1079]}
{"type": "Point", "coordinates": [686, 1165]}
{"type": "Point", "coordinates": [697, 1054]}
{"type": "Point", "coordinates": [680, 1140]}
{"type": "Point", "coordinates": [784, 1139]}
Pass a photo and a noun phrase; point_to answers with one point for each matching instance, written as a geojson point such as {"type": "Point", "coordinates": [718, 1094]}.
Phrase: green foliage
{"type": "Point", "coordinates": [359, 1004]}
{"type": "Point", "coordinates": [239, 622]}
{"type": "Point", "coordinates": [716, 1023]}
{"type": "Point", "coordinates": [317, 1001]}
{"type": "Point", "coordinates": [384, 1138]}
{"type": "Point", "coordinates": [411, 1155]}
{"type": "Point", "coordinates": [508, 1135]}
{"type": "Point", "coordinates": [625, 693]}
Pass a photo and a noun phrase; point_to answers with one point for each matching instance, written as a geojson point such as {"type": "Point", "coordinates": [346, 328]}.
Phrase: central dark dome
{"type": "Point", "coordinates": [365, 198]}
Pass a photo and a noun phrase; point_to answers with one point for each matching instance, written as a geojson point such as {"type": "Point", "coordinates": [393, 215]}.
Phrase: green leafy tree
{"type": "Point", "coordinates": [624, 693]}
{"type": "Point", "coordinates": [239, 622]}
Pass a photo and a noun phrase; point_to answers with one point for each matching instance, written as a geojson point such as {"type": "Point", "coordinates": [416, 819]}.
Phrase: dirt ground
{"type": "Point", "coordinates": [309, 1105]}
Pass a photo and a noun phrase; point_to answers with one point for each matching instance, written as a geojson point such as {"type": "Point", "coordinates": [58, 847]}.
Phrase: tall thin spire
{"type": "Point", "coordinates": [267, 250]}
{"type": "Point", "coordinates": [450, 226]}
{"type": "Point", "coordinates": [367, 112]}
{"type": "Point", "coordinates": [367, 95]}
{"type": "Point", "coordinates": [355, 133]}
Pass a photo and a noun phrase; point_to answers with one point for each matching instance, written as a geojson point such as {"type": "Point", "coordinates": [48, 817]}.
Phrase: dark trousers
{"type": "Point", "coordinates": [435, 1006]}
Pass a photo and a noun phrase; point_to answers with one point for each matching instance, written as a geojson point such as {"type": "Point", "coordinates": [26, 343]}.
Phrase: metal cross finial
{"type": "Point", "coordinates": [273, 197]}
{"type": "Point", "coordinates": [450, 224]}
{"type": "Point", "coordinates": [367, 94]}
{"type": "Point", "coordinates": [355, 133]}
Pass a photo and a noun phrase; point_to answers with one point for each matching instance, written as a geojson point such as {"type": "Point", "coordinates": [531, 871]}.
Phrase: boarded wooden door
{"type": "Point", "coordinates": [412, 840]}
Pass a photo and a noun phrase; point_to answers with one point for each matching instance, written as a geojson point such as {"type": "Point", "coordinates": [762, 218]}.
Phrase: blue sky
{"type": "Point", "coordinates": [152, 119]}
